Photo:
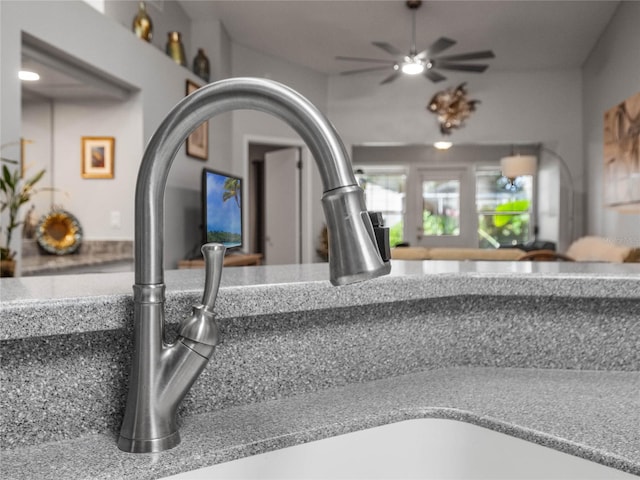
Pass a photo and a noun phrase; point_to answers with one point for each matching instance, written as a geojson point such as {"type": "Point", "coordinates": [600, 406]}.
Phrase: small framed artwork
{"type": "Point", "coordinates": [198, 140]}
{"type": "Point", "coordinates": [98, 157]}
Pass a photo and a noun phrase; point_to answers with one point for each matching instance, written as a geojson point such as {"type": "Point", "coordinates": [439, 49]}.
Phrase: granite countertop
{"type": "Point", "coordinates": [594, 415]}
{"type": "Point", "coordinates": [51, 305]}
{"type": "Point", "coordinates": [76, 263]}
{"type": "Point", "coordinates": [542, 351]}
{"type": "Point", "coordinates": [94, 255]}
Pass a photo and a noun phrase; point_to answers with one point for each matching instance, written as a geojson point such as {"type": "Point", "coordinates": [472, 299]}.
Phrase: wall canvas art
{"type": "Point", "coordinates": [622, 155]}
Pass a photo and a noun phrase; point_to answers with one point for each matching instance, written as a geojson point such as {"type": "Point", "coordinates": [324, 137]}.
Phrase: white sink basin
{"type": "Point", "coordinates": [421, 448]}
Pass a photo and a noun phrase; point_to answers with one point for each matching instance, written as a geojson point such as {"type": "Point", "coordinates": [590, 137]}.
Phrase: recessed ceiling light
{"type": "Point", "coordinates": [442, 145]}
{"type": "Point", "coordinates": [28, 76]}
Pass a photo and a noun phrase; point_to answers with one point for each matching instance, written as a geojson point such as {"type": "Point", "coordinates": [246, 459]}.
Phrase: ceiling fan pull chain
{"type": "Point", "coordinates": [413, 33]}
{"type": "Point", "coordinates": [413, 6]}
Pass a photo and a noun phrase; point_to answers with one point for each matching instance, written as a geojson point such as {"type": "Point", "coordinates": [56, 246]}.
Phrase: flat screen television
{"type": "Point", "coordinates": [222, 208]}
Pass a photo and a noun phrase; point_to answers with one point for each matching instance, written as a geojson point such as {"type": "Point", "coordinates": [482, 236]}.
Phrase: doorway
{"type": "Point", "coordinates": [275, 199]}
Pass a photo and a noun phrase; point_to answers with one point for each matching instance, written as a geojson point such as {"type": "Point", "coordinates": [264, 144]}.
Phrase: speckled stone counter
{"type": "Point", "coordinates": [543, 351]}
{"type": "Point", "coordinates": [94, 256]}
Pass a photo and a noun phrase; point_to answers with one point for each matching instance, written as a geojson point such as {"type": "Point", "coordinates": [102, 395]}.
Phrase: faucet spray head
{"type": "Point", "coordinates": [358, 250]}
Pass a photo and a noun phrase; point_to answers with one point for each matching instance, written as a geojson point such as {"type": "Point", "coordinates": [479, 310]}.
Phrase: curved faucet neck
{"type": "Point", "coordinates": [208, 101]}
{"type": "Point", "coordinates": [161, 374]}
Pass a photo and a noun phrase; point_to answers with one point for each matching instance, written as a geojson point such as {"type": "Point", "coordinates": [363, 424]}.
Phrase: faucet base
{"type": "Point", "coordinates": [148, 446]}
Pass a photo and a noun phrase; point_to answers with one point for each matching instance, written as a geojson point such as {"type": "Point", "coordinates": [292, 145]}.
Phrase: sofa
{"type": "Point", "coordinates": [595, 249]}
{"type": "Point", "coordinates": [440, 253]}
{"type": "Point", "coordinates": [585, 249]}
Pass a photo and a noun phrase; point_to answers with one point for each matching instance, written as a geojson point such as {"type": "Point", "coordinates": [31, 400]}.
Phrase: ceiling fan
{"type": "Point", "coordinates": [425, 62]}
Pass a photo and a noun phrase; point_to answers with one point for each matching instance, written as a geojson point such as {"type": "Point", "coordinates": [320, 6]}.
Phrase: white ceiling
{"type": "Point", "coordinates": [523, 34]}
{"type": "Point", "coordinates": [57, 84]}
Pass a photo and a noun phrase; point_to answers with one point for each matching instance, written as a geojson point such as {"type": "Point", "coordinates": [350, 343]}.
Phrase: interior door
{"type": "Point", "coordinates": [446, 204]}
{"type": "Point", "coordinates": [282, 207]}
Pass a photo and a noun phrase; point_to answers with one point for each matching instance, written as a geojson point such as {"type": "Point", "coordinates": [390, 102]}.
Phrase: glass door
{"type": "Point", "coordinates": [446, 210]}
{"type": "Point", "coordinates": [385, 192]}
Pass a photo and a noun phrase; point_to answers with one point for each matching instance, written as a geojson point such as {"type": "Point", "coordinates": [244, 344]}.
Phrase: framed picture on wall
{"type": "Point", "coordinates": [198, 141]}
{"type": "Point", "coordinates": [98, 157]}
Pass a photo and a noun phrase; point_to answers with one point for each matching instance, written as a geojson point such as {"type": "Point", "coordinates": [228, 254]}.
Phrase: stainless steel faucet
{"type": "Point", "coordinates": [161, 373]}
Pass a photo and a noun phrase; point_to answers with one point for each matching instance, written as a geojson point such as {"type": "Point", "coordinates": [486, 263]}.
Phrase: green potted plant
{"type": "Point", "coordinates": [14, 193]}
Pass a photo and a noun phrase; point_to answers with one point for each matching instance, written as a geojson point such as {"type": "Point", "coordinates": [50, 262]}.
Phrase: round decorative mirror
{"type": "Point", "coordinates": [59, 233]}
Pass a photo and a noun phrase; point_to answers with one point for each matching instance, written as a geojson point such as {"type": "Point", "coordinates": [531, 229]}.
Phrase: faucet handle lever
{"type": "Point", "coordinates": [213, 258]}
{"type": "Point", "coordinates": [201, 327]}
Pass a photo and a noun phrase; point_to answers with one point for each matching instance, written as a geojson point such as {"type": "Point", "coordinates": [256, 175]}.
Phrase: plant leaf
{"type": "Point", "coordinates": [35, 179]}
{"type": "Point", "coordinates": [6, 174]}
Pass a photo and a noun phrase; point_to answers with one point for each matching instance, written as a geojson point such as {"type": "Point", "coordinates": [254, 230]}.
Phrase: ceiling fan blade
{"type": "Point", "coordinates": [390, 78]}
{"type": "Point", "coordinates": [439, 45]}
{"type": "Point", "coordinates": [362, 59]}
{"type": "Point", "coordinates": [363, 70]}
{"type": "Point", "coordinates": [435, 77]}
{"type": "Point", "coordinates": [460, 67]}
{"type": "Point", "coordinates": [387, 47]}
{"type": "Point", "coordinates": [468, 56]}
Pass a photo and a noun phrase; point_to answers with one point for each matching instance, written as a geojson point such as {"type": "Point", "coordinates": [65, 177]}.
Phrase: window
{"type": "Point", "coordinates": [385, 192]}
{"type": "Point", "coordinates": [505, 209]}
{"type": "Point", "coordinates": [446, 209]}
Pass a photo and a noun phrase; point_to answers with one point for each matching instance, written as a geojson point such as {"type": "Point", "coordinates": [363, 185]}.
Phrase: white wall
{"type": "Point", "coordinates": [97, 40]}
{"type": "Point", "coordinates": [94, 201]}
{"type": "Point", "coordinates": [521, 107]}
{"type": "Point", "coordinates": [56, 128]}
{"type": "Point", "coordinates": [37, 122]}
{"type": "Point", "coordinates": [516, 107]}
{"type": "Point", "coordinates": [250, 125]}
{"type": "Point", "coordinates": [109, 45]}
{"type": "Point", "coordinates": [215, 39]}
{"type": "Point", "coordinates": [166, 16]}
{"type": "Point", "coordinates": [611, 75]}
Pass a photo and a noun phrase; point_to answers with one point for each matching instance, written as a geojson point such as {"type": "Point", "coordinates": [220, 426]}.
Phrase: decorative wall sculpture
{"type": "Point", "coordinates": [452, 108]}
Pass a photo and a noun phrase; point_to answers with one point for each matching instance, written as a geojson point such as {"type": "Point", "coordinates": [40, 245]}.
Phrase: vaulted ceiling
{"type": "Point", "coordinates": [523, 34]}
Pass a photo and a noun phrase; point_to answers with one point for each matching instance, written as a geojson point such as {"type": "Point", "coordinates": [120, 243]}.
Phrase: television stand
{"type": "Point", "coordinates": [232, 260]}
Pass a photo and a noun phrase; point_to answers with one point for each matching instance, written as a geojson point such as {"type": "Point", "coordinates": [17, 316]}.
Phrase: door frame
{"type": "Point", "coordinates": [309, 181]}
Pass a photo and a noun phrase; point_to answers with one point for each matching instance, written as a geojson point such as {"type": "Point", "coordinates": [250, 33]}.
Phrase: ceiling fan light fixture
{"type": "Point", "coordinates": [412, 67]}
{"type": "Point", "coordinates": [426, 62]}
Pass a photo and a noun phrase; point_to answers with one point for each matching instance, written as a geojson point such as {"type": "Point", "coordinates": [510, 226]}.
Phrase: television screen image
{"type": "Point", "coordinates": [222, 208]}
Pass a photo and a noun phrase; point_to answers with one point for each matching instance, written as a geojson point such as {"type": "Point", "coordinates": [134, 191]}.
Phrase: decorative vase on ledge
{"type": "Point", "coordinates": [142, 25]}
{"type": "Point", "coordinates": [175, 49]}
{"type": "Point", "coordinates": [201, 65]}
